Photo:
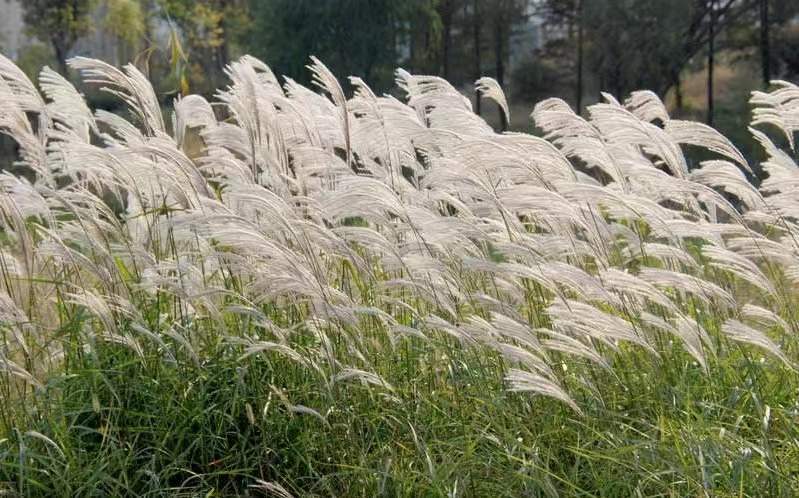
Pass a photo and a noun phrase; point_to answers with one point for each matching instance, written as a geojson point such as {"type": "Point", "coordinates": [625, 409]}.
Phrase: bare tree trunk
{"type": "Point", "coordinates": [499, 52]}
{"type": "Point", "coordinates": [446, 21]}
{"type": "Point", "coordinates": [499, 55]}
{"type": "Point", "coordinates": [765, 48]}
{"type": "Point", "coordinates": [678, 100]}
{"type": "Point", "coordinates": [60, 56]}
{"type": "Point", "coordinates": [579, 90]}
{"type": "Point", "coordinates": [616, 84]}
{"type": "Point", "coordinates": [223, 51]}
{"type": "Point", "coordinates": [476, 24]}
{"type": "Point", "coordinates": [138, 52]}
{"type": "Point", "coordinates": [425, 60]}
{"type": "Point", "coordinates": [711, 49]}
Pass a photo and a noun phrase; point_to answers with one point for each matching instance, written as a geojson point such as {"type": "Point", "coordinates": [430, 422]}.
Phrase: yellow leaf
{"type": "Point", "coordinates": [184, 85]}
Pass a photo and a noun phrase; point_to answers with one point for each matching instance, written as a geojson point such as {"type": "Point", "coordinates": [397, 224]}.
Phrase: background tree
{"type": "Point", "coordinates": [566, 15]}
{"type": "Point", "coordinates": [126, 21]}
{"type": "Point", "coordinates": [59, 22]}
{"type": "Point", "coordinates": [352, 37]}
{"type": "Point", "coordinates": [765, 51]}
{"type": "Point", "coordinates": [477, 10]}
{"type": "Point", "coordinates": [210, 30]}
{"type": "Point", "coordinates": [779, 39]}
{"type": "Point", "coordinates": [667, 37]}
{"type": "Point", "coordinates": [448, 12]}
{"type": "Point", "coordinates": [711, 53]}
{"type": "Point", "coordinates": [505, 15]}
{"type": "Point", "coordinates": [571, 49]}
{"type": "Point", "coordinates": [418, 22]}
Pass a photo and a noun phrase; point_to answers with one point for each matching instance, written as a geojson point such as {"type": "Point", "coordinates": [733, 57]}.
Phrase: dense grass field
{"type": "Point", "coordinates": [291, 292]}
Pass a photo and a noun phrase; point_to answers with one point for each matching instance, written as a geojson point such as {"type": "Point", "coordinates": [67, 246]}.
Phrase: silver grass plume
{"type": "Point", "coordinates": [489, 88]}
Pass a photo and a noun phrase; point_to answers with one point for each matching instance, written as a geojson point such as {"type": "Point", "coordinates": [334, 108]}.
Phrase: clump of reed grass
{"type": "Point", "coordinates": [364, 295]}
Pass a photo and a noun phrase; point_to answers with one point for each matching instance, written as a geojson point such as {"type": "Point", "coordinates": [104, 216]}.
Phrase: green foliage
{"type": "Point", "coordinates": [123, 425]}
{"type": "Point", "coordinates": [125, 20]}
{"type": "Point", "coordinates": [32, 58]}
{"type": "Point", "coordinates": [59, 22]}
{"type": "Point", "coordinates": [612, 27]}
{"type": "Point", "coordinates": [353, 37]}
{"type": "Point", "coordinates": [541, 75]}
{"type": "Point", "coordinates": [786, 48]}
{"type": "Point", "coordinates": [211, 32]}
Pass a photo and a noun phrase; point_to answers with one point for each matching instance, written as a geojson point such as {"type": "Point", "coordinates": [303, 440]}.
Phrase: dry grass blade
{"type": "Point", "coordinates": [526, 382]}
{"type": "Point", "coordinates": [489, 88]}
{"type": "Point", "coordinates": [739, 332]}
{"type": "Point", "coordinates": [271, 489]}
